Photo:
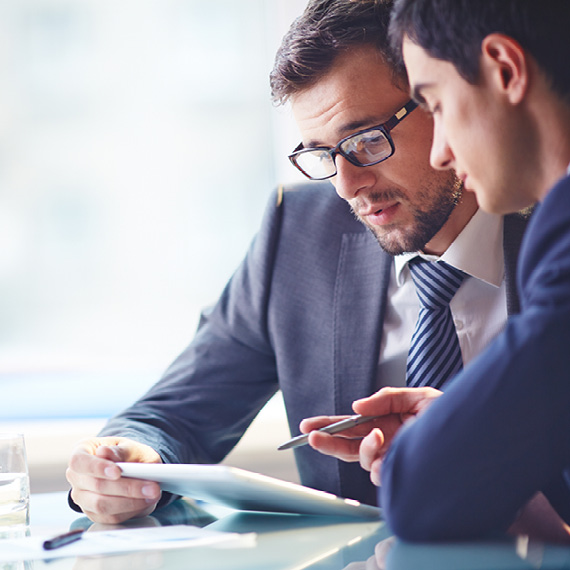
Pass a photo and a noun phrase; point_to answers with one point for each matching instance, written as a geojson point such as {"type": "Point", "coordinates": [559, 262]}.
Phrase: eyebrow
{"type": "Point", "coordinates": [348, 129]}
{"type": "Point", "coordinates": [416, 94]}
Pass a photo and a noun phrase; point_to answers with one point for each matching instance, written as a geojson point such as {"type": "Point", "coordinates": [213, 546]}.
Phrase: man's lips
{"type": "Point", "coordinates": [380, 214]}
{"type": "Point", "coordinates": [376, 209]}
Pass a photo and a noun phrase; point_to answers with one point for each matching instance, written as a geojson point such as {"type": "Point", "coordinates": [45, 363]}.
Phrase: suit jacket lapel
{"type": "Point", "coordinates": [363, 276]}
{"type": "Point", "coordinates": [360, 296]}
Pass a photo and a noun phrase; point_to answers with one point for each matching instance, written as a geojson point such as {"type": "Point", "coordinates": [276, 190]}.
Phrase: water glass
{"type": "Point", "coordinates": [14, 483]}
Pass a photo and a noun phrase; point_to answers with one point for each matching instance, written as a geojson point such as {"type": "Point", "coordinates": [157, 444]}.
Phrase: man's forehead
{"type": "Point", "coordinates": [326, 126]}
{"type": "Point", "coordinates": [343, 111]}
{"type": "Point", "coordinates": [424, 71]}
{"type": "Point", "coordinates": [360, 73]}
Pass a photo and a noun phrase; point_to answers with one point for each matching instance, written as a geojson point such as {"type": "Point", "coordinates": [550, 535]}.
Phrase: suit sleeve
{"type": "Point", "coordinates": [502, 430]}
{"type": "Point", "coordinates": [208, 397]}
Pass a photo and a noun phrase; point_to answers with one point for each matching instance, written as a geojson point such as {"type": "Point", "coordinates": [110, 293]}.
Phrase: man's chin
{"type": "Point", "coordinates": [396, 242]}
{"type": "Point", "coordinates": [390, 243]}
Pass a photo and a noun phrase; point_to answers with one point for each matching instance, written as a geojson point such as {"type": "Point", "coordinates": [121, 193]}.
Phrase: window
{"type": "Point", "coordinates": [122, 214]}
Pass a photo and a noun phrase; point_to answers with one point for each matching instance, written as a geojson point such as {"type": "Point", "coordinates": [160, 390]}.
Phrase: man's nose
{"type": "Point", "coordinates": [351, 179]}
{"type": "Point", "coordinates": [441, 156]}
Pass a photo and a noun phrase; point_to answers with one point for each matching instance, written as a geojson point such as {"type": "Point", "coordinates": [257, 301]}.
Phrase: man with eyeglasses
{"type": "Point", "coordinates": [317, 309]}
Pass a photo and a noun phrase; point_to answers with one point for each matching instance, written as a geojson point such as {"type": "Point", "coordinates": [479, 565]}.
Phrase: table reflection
{"type": "Point", "coordinates": [516, 553]}
{"type": "Point", "coordinates": [283, 541]}
{"type": "Point", "coordinates": [287, 542]}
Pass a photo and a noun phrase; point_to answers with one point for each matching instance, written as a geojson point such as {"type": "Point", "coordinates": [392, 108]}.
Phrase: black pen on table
{"type": "Point", "coordinates": [330, 429]}
{"type": "Point", "coordinates": [63, 539]}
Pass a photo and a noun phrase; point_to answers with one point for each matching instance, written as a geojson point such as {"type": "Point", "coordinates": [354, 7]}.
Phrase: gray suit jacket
{"type": "Point", "coordinates": [303, 313]}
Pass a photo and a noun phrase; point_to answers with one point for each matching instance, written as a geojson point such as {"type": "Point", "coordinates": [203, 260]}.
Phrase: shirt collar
{"type": "Point", "coordinates": [477, 250]}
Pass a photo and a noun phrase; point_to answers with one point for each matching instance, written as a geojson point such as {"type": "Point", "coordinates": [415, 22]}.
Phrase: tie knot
{"type": "Point", "coordinates": [436, 282]}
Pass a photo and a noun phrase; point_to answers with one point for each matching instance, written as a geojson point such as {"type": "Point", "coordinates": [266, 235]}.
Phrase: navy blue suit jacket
{"type": "Point", "coordinates": [501, 432]}
{"type": "Point", "coordinates": [303, 313]}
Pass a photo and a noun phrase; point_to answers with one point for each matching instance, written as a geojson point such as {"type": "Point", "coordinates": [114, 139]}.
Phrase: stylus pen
{"type": "Point", "coordinates": [332, 428]}
{"type": "Point", "coordinates": [63, 539]}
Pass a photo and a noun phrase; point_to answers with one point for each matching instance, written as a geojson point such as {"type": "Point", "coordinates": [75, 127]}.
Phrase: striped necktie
{"type": "Point", "coordinates": [435, 355]}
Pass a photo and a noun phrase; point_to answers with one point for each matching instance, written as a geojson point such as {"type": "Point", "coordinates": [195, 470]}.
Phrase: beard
{"type": "Point", "coordinates": [430, 211]}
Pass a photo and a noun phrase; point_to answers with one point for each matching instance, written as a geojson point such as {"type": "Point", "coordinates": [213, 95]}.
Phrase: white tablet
{"type": "Point", "coordinates": [244, 490]}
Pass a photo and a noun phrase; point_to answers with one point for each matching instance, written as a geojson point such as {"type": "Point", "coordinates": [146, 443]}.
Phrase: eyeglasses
{"type": "Point", "coordinates": [364, 148]}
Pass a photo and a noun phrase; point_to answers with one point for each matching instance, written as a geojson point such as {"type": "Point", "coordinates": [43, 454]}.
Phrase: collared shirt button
{"type": "Point", "coordinates": [458, 324]}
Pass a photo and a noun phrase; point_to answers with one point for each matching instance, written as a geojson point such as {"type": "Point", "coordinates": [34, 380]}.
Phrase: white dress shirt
{"type": "Point", "coordinates": [479, 307]}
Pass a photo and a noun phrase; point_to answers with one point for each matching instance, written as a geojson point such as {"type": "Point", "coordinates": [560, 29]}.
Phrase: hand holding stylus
{"type": "Point", "coordinates": [333, 428]}
{"type": "Point", "coordinates": [379, 418]}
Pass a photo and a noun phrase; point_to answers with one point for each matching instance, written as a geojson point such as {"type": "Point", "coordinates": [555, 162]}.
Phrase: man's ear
{"type": "Point", "coordinates": [507, 66]}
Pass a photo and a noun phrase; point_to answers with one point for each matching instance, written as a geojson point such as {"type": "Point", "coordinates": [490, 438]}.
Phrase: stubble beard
{"type": "Point", "coordinates": [428, 218]}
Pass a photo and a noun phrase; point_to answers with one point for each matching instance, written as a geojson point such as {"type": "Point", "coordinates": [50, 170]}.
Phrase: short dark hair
{"type": "Point", "coordinates": [326, 30]}
{"type": "Point", "coordinates": [453, 31]}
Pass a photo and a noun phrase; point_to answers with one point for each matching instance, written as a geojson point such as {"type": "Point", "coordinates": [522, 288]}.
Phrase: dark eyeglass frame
{"type": "Point", "coordinates": [385, 128]}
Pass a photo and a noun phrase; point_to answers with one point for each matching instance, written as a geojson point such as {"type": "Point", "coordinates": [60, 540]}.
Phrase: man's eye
{"type": "Point", "coordinates": [434, 109]}
{"type": "Point", "coordinates": [427, 108]}
{"type": "Point", "coordinates": [365, 140]}
{"type": "Point", "coordinates": [375, 140]}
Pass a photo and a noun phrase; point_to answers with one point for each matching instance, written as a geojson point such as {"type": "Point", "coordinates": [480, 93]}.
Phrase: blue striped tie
{"type": "Point", "coordinates": [435, 355]}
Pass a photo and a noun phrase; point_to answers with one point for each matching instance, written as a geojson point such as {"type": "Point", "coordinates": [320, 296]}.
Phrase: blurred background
{"type": "Point", "coordinates": [138, 147]}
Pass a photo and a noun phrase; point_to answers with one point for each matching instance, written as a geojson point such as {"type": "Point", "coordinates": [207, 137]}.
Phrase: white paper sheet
{"type": "Point", "coordinates": [124, 540]}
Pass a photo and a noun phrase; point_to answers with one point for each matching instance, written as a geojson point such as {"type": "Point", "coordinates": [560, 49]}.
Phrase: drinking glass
{"type": "Point", "coordinates": [14, 483]}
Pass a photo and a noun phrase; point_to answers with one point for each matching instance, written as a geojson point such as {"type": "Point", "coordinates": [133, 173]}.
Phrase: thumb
{"type": "Point", "coordinates": [127, 451]}
{"type": "Point", "coordinates": [377, 436]}
{"type": "Point", "coordinates": [116, 453]}
{"type": "Point", "coordinates": [371, 448]}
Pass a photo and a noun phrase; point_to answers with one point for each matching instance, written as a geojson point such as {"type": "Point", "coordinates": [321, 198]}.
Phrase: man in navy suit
{"type": "Point", "coordinates": [494, 75]}
{"type": "Point", "coordinates": [317, 309]}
